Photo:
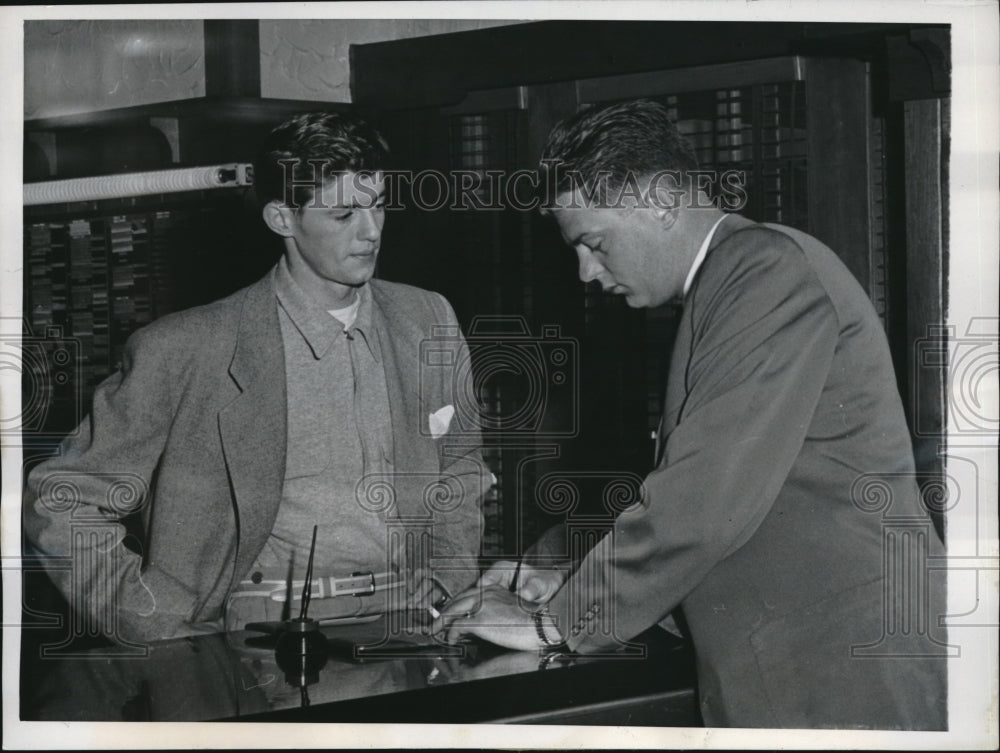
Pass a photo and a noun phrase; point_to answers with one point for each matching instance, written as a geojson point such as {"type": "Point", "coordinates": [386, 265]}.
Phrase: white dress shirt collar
{"type": "Point", "coordinates": [702, 252]}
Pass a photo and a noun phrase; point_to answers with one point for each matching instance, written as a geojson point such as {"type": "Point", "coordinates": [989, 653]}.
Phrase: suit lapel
{"type": "Point", "coordinates": [253, 425]}
{"type": "Point", "coordinates": [400, 340]}
{"type": "Point", "coordinates": [680, 356]}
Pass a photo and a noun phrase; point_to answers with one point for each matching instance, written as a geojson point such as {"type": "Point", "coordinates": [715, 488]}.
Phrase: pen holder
{"type": "Point", "coordinates": [301, 652]}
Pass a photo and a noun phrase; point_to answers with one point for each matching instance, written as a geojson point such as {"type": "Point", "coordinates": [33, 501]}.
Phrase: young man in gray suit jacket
{"type": "Point", "coordinates": [805, 606]}
{"type": "Point", "coordinates": [236, 427]}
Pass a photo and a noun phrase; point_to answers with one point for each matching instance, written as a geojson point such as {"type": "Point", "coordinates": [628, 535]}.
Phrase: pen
{"type": "Point", "coordinates": [517, 571]}
{"type": "Point", "coordinates": [307, 586]}
{"type": "Point", "coordinates": [432, 610]}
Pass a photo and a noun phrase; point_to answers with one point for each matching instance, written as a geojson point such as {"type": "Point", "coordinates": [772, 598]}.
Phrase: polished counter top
{"type": "Point", "coordinates": [236, 676]}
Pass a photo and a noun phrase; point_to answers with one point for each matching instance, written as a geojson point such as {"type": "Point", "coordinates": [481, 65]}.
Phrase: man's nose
{"type": "Point", "coordinates": [371, 225]}
{"type": "Point", "coordinates": [590, 268]}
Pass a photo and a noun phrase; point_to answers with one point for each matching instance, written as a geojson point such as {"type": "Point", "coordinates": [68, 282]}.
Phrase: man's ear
{"type": "Point", "coordinates": [279, 219]}
{"type": "Point", "coordinates": [665, 204]}
{"type": "Point", "coordinates": [668, 216]}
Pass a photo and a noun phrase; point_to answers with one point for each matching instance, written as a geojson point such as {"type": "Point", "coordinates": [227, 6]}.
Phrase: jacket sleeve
{"type": "Point", "coordinates": [763, 334]}
{"type": "Point", "coordinates": [458, 527]}
{"type": "Point", "coordinates": [74, 503]}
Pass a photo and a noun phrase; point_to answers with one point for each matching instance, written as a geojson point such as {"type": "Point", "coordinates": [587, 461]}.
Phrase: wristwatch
{"type": "Point", "coordinates": [539, 618]}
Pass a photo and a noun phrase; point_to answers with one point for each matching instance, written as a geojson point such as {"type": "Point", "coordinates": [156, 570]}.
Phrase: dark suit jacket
{"type": "Point", "coordinates": [782, 427]}
{"type": "Point", "coordinates": [192, 431]}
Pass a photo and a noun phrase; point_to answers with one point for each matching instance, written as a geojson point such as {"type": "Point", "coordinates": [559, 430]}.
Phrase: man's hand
{"type": "Point", "coordinates": [533, 583]}
{"type": "Point", "coordinates": [493, 614]}
{"type": "Point", "coordinates": [421, 590]}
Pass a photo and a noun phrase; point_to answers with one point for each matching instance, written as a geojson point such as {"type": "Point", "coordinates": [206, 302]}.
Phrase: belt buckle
{"type": "Point", "coordinates": [366, 590]}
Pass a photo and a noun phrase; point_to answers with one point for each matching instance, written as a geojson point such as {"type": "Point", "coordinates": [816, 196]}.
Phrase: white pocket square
{"type": "Point", "coordinates": [440, 420]}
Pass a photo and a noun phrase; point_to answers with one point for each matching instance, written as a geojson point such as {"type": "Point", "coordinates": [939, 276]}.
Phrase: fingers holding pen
{"type": "Point", "coordinates": [463, 606]}
{"type": "Point", "coordinates": [421, 592]}
{"type": "Point", "coordinates": [494, 614]}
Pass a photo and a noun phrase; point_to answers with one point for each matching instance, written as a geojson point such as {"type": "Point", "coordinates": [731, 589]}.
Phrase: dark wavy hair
{"type": "Point", "coordinates": [284, 169]}
{"type": "Point", "coordinates": [611, 142]}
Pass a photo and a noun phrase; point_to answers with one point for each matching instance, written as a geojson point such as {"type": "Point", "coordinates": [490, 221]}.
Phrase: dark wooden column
{"type": "Point", "coordinates": [232, 58]}
{"type": "Point", "coordinates": [232, 73]}
{"type": "Point", "coordinates": [837, 122]}
{"type": "Point", "coordinates": [925, 147]}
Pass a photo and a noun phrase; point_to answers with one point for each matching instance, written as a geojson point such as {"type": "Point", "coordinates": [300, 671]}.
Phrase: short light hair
{"type": "Point", "coordinates": [612, 141]}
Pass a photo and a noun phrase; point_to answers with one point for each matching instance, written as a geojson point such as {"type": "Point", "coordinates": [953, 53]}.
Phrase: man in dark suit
{"type": "Point", "coordinates": [234, 428]}
{"type": "Point", "coordinates": [781, 412]}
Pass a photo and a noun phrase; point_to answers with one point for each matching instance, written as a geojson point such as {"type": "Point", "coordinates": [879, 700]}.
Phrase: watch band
{"type": "Point", "coordinates": [538, 616]}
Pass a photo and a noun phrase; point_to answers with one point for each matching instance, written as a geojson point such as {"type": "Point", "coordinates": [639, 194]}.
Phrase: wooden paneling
{"type": "Point", "coordinates": [202, 131]}
{"type": "Point", "coordinates": [547, 105]}
{"type": "Point", "coordinates": [384, 74]}
{"type": "Point", "coordinates": [919, 64]}
{"type": "Point", "coordinates": [837, 123]}
{"type": "Point", "coordinates": [925, 143]}
{"type": "Point", "coordinates": [701, 78]}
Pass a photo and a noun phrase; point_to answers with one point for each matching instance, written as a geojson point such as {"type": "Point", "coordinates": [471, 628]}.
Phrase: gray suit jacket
{"type": "Point", "coordinates": [192, 430]}
{"type": "Point", "coordinates": [782, 428]}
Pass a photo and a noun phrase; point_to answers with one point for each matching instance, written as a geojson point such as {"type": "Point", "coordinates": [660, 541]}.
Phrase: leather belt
{"type": "Point", "coordinates": [357, 584]}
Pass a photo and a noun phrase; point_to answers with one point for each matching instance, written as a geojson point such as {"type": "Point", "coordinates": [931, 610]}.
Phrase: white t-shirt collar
{"type": "Point", "coordinates": [348, 314]}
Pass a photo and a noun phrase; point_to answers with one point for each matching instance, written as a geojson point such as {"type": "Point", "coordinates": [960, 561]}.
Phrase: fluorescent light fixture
{"type": "Point", "coordinates": [138, 184]}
